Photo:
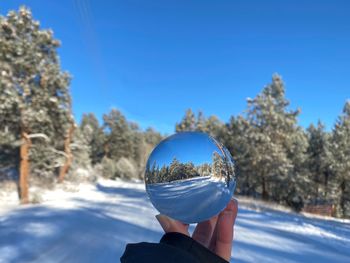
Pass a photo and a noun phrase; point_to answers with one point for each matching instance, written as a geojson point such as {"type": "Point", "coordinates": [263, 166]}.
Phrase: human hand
{"type": "Point", "coordinates": [215, 234]}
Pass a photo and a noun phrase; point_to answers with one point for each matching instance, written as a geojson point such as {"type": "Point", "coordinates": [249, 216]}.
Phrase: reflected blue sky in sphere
{"type": "Point", "coordinates": [197, 151]}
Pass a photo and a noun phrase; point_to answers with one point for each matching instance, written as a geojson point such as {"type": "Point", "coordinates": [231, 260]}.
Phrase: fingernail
{"type": "Point", "coordinates": [164, 221]}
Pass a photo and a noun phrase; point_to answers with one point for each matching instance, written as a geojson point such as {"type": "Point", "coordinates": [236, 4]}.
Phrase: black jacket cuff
{"type": "Point", "coordinates": [198, 251]}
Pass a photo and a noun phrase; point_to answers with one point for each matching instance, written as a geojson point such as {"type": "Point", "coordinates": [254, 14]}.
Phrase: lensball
{"type": "Point", "coordinates": [190, 177]}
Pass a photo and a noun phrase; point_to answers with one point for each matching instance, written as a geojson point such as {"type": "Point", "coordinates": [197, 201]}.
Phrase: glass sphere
{"type": "Point", "coordinates": [190, 177]}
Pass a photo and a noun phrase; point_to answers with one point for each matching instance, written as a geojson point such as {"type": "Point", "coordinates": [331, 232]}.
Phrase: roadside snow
{"type": "Point", "coordinates": [93, 223]}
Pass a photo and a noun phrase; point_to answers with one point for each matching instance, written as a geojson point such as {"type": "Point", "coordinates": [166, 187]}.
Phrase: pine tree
{"type": "Point", "coordinates": [319, 161]}
{"type": "Point", "coordinates": [214, 126]}
{"type": "Point", "coordinates": [201, 122]}
{"type": "Point", "coordinates": [299, 182]}
{"type": "Point", "coordinates": [235, 138]}
{"type": "Point", "coordinates": [37, 111]}
{"type": "Point", "coordinates": [94, 137]}
{"type": "Point", "coordinates": [138, 145]}
{"type": "Point", "coordinates": [274, 145]}
{"type": "Point", "coordinates": [188, 122]}
{"type": "Point", "coordinates": [81, 150]}
{"type": "Point", "coordinates": [118, 137]}
{"type": "Point", "coordinates": [341, 155]}
{"type": "Point", "coordinates": [152, 137]}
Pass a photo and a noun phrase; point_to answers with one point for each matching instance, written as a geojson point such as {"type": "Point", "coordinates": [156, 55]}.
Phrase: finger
{"type": "Point", "coordinates": [170, 225]}
{"type": "Point", "coordinates": [224, 235]}
{"type": "Point", "coordinates": [212, 244]}
{"type": "Point", "coordinates": [204, 231]}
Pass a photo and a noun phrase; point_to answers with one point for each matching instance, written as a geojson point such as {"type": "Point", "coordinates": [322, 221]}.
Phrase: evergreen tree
{"type": "Point", "coordinates": [299, 182]}
{"type": "Point", "coordinates": [201, 122]}
{"type": "Point", "coordinates": [188, 122]}
{"type": "Point", "coordinates": [138, 145]}
{"type": "Point", "coordinates": [81, 148]}
{"type": "Point", "coordinates": [214, 126]}
{"type": "Point", "coordinates": [94, 137]}
{"type": "Point", "coordinates": [38, 104]}
{"type": "Point", "coordinates": [319, 161]}
{"type": "Point", "coordinates": [274, 149]}
{"type": "Point", "coordinates": [235, 138]}
{"type": "Point", "coordinates": [152, 137]}
{"type": "Point", "coordinates": [341, 155]}
{"type": "Point", "coordinates": [118, 136]}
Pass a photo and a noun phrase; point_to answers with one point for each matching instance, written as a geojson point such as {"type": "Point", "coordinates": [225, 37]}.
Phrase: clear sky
{"type": "Point", "coordinates": [181, 147]}
{"type": "Point", "coordinates": [154, 59]}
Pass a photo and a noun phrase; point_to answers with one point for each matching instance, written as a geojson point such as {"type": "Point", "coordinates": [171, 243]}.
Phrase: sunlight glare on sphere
{"type": "Point", "coordinates": [190, 177]}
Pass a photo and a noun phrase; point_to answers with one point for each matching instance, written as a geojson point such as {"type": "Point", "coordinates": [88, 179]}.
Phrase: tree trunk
{"type": "Point", "coordinates": [326, 176]}
{"type": "Point", "coordinates": [342, 198]}
{"type": "Point", "coordinates": [265, 194]}
{"type": "Point", "coordinates": [69, 156]}
{"type": "Point", "coordinates": [24, 168]}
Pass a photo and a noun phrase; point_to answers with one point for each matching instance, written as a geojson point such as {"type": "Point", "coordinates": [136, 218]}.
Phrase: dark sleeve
{"type": "Point", "coordinates": [173, 247]}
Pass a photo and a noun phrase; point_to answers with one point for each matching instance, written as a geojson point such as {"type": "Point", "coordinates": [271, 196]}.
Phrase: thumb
{"type": "Point", "coordinates": [170, 225]}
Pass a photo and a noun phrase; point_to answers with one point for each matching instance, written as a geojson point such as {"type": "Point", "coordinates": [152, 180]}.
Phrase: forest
{"type": "Point", "coordinates": [276, 159]}
{"type": "Point", "coordinates": [218, 168]}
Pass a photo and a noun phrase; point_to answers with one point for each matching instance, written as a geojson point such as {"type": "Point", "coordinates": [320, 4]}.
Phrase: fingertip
{"type": "Point", "coordinates": [164, 222]}
{"type": "Point", "coordinates": [235, 201]}
{"type": "Point", "coordinates": [232, 205]}
{"type": "Point", "coordinates": [170, 225]}
{"type": "Point", "coordinates": [235, 208]}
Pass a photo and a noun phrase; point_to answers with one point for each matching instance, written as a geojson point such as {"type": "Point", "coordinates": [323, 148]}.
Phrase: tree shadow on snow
{"type": "Point", "coordinates": [95, 232]}
{"type": "Point", "coordinates": [280, 244]}
{"type": "Point", "coordinates": [85, 234]}
{"type": "Point", "coordinates": [127, 192]}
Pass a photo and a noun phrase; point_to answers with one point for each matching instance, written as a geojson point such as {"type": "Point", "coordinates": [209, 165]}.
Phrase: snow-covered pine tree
{"type": "Point", "coordinates": [319, 162]}
{"type": "Point", "coordinates": [235, 138]}
{"type": "Point", "coordinates": [341, 154]}
{"type": "Point", "coordinates": [299, 182]}
{"type": "Point", "coordinates": [274, 142]}
{"type": "Point", "coordinates": [38, 103]}
{"type": "Point", "coordinates": [124, 144]}
{"type": "Point", "coordinates": [9, 128]}
{"type": "Point", "coordinates": [140, 148]}
{"type": "Point", "coordinates": [201, 122]}
{"type": "Point", "coordinates": [94, 137]}
{"type": "Point", "coordinates": [118, 136]}
{"type": "Point", "coordinates": [214, 126]}
{"type": "Point", "coordinates": [188, 122]}
{"type": "Point", "coordinates": [82, 146]}
{"type": "Point", "coordinates": [152, 137]}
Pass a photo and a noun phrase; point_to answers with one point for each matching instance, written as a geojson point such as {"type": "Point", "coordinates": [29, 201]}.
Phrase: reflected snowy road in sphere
{"type": "Point", "coordinates": [190, 177]}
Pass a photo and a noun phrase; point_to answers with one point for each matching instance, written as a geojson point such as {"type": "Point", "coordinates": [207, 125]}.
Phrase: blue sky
{"type": "Point", "coordinates": [154, 59]}
{"type": "Point", "coordinates": [181, 147]}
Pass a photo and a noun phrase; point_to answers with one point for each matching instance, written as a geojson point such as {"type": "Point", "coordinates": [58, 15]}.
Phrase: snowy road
{"type": "Point", "coordinates": [94, 223]}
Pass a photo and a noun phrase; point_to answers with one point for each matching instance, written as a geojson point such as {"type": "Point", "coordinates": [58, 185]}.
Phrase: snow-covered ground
{"type": "Point", "coordinates": [93, 223]}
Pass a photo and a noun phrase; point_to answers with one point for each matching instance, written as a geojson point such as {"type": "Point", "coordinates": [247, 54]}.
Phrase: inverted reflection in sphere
{"type": "Point", "coordinates": [190, 177]}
